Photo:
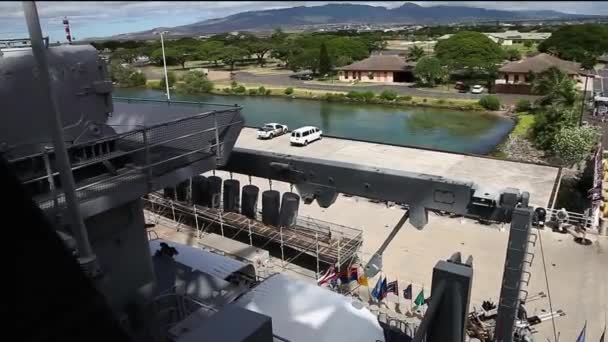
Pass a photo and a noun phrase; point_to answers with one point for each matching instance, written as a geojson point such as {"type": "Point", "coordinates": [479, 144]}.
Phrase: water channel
{"type": "Point", "coordinates": [442, 129]}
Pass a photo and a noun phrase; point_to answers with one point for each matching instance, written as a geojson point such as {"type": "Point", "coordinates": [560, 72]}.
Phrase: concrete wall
{"type": "Point", "coordinates": [364, 76]}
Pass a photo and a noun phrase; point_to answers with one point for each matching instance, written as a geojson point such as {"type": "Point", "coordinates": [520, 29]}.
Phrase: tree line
{"type": "Point", "coordinates": [298, 51]}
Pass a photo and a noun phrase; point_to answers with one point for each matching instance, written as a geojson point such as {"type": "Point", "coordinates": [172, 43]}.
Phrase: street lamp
{"type": "Point", "coordinates": [162, 45]}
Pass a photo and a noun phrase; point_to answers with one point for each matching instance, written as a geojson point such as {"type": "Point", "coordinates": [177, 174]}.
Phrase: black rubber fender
{"type": "Point", "coordinates": [271, 201]}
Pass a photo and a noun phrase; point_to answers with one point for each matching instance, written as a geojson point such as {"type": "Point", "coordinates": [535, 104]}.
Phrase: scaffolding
{"type": "Point", "coordinates": [327, 242]}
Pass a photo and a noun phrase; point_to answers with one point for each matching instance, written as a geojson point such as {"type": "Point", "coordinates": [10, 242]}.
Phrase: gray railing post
{"type": "Point", "coordinates": [147, 159]}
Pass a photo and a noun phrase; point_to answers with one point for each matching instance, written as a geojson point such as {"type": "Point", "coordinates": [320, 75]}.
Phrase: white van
{"type": "Point", "coordinates": [304, 135]}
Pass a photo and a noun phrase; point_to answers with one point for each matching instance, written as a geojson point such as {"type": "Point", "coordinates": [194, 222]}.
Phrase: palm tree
{"type": "Point", "coordinates": [415, 53]}
{"type": "Point", "coordinates": [555, 87]}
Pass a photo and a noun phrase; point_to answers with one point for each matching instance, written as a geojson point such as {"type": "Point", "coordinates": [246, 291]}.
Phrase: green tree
{"type": "Point", "coordinates": [210, 51]}
{"type": "Point", "coordinates": [549, 121]}
{"type": "Point", "coordinates": [528, 43]}
{"type": "Point", "coordinates": [324, 61]}
{"type": "Point", "coordinates": [513, 54]}
{"type": "Point", "coordinates": [259, 48]}
{"type": "Point", "coordinates": [306, 59]}
{"type": "Point", "coordinates": [127, 76]}
{"type": "Point", "coordinates": [415, 53]}
{"type": "Point", "coordinates": [171, 77]}
{"type": "Point", "coordinates": [555, 87]}
{"type": "Point", "coordinates": [577, 42]}
{"type": "Point", "coordinates": [473, 52]}
{"type": "Point", "coordinates": [373, 42]}
{"type": "Point", "coordinates": [278, 36]}
{"type": "Point", "coordinates": [350, 47]}
{"type": "Point", "coordinates": [125, 55]}
{"type": "Point", "coordinates": [173, 56]}
{"type": "Point", "coordinates": [288, 91]}
{"type": "Point", "coordinates": [573, 144]}
{"type": "Point", "coordinates": [195, 82]}
{"type": "Point", "coordinates": [232, 54]}
{"type": "Point", "coordinates": [429, 71]}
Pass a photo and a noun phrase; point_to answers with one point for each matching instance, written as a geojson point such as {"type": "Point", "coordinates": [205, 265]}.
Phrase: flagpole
{"type": "Point", "coordinates": [412, 297]}
{"type": "Point", "coordinates": [397, 290]}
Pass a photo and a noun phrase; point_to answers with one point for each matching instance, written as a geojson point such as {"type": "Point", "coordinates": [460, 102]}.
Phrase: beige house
{"type": "Point", "coordinates": [515, 77]}
{"type": "Point", "coordinates": [378, 68]}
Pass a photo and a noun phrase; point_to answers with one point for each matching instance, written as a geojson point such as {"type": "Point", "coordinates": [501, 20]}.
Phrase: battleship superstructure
{"type": "Point", "coordinates": [114, 160]}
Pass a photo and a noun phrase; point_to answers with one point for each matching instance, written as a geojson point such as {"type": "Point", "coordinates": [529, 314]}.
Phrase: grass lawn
{"type": "Point", "coordinates": [525, 121]}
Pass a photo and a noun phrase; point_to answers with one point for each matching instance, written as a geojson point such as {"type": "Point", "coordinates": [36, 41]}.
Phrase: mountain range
{"type": "Point", "coordinates": [407, 14]}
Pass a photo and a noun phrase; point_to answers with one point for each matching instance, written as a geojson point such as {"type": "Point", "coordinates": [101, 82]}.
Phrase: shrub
{"type": "Point", "coordinates": [268, 92]}
{"type": "Point", "coordinates": [523, 106]}
{"type": "Point", "coordinates": [549, 122]}
{"type": "Point", "coordinates": [424, 100]}
{"type": "Point", "coordinates": [195, 82]}
{"type": "Point", "coordinates": [233, 84]}
{"type": "Point", "coordinates": [252, 91]}
{"type": "Point", "coordinates": [441, 101]}
{"type": "Point", "coordinates": [368, 96]}
{"type": "Point", "coordinates": [490, 102]}
{"type": "Point", "coordinates": [171, 76]}
{"type": "Point", "coordinates": [240, 89]}
{"type": "Point", "coordinates": [127, 76]}
{"type": "Point", "coordinates": [261, 90]}
{"type": "Point", "coordinates": [405, 98]}
{"type": "Point", "coordinates": [573, 144]}
{"type": "Point", "coordinates": [388, 95]}
{"type": "Point", "coordinates": [227, 90]}
{"type": "Point", "coordinates": [288, 91]}
{"type": "Point", "coordinates": [355, 95]}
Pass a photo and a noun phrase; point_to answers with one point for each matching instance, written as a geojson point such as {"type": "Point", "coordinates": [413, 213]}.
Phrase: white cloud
{"type": "Point", "coordinates": [98, 16]}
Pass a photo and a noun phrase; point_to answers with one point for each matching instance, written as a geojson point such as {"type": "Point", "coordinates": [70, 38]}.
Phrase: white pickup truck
{"type": "Point", "coordinates": [271, 130]}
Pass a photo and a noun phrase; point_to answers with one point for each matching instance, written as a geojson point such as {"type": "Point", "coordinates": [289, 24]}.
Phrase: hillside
{"type": "Point", "coordinates": [408, 13]}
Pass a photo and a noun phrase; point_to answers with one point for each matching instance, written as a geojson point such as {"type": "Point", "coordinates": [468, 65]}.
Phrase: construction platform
{"type": "Point", "coordinates": [329, 243]}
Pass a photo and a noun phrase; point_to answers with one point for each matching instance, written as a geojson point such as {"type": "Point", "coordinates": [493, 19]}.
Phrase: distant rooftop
{"type": "Point", "coordinates": [540, 63]}
{"type": "Point", "coordinates": [511, 35]}
{"type": "Point", "coordinates": [381, 63]}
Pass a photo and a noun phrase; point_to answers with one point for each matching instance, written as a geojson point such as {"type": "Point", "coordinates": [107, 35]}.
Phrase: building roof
{"type": "Point", "coordinates": [301, 311]}
{"type": "Point", "coordinates": [380, 63]}
{"type": "Point", "coordinates": [520, 35]}
{"type": "Point", "coordinates": [540, 63]}
{"type": "Point", "coordinates": [511, 35]}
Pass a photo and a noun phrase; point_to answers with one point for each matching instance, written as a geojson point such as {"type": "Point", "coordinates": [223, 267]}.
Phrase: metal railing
{"type": "Point", "coordinates": [139, 155]}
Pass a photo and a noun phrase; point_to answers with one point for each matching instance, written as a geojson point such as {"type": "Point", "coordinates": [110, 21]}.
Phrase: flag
{"type": "Point", "coordinates": [344, 277]}
{"type": "Point", "coordinates": [354, 273]}
{"type": "Point", "coordinates": [581, 336]}
{"type": "Point", "coordinates": [377, 289]}
{"type": "Point", "coordinates": [363, 281]}
{"type": "Point", "coordinates": [419, 301]}
{"type": "Point", "coordinates": [407, 292]}
{"type": "Point", "coordinates": [393, 287]}
{"type": "Point", "coordinates": [603, 334]}
{"type": "Point", "coordinates": [383, 289]}
{"type": "Point", "coordinates": [329, 275]}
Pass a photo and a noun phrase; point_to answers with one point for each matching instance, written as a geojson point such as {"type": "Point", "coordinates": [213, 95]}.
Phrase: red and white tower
{"type": "Point", "coordinates": [66, 26]}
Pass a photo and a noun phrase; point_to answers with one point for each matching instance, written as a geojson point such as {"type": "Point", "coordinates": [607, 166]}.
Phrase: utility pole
{"type": "Point", "coordinates": [162, 45]}
{"type": "Point", "coordinates": [580, 121]}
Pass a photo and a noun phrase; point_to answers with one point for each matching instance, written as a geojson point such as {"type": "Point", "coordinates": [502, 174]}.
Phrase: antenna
{"type": "Point", "coordinates": [66, 26]}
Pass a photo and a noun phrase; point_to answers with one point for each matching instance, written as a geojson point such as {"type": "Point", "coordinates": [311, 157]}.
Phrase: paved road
{"type": "Point", "coordinates": [285, 80]}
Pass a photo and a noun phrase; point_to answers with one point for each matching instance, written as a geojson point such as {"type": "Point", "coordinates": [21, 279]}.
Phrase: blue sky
{"type": "Point", "coordinates": [105, 18]}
